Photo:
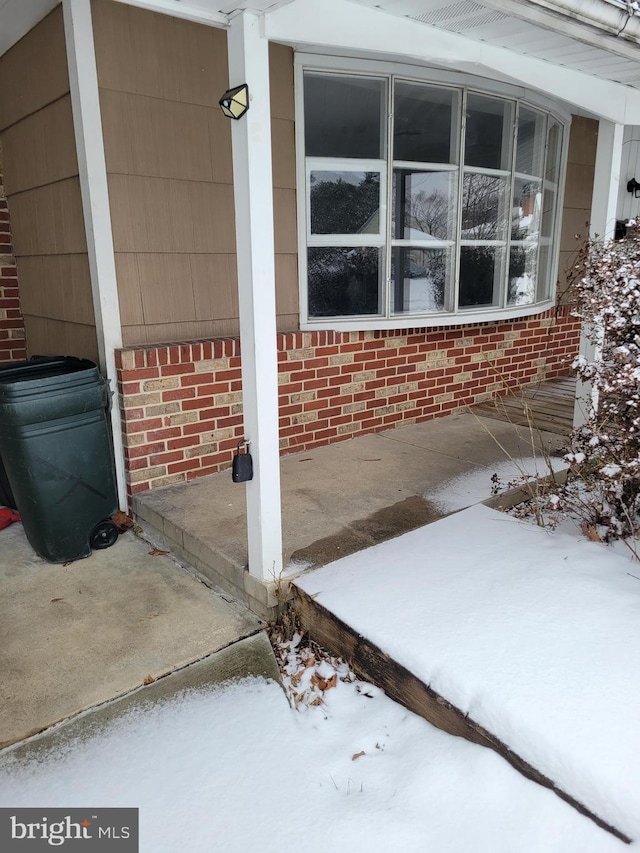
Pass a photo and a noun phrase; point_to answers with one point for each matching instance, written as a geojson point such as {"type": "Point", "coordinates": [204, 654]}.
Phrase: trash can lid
{"type": "Point", "coordinates": [43, 367]}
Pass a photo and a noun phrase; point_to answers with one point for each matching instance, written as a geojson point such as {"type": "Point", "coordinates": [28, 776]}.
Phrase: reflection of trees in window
{"type": "Point", "coordinates": [522, 274]}
{"type": "Point", "coordinates": [342, 207]}
{"type": "Point", "coordinates": [477, 275]}
{"type": "Point", "coordinates": [463, 211]}
{"type": "Point", "coordinates": [343, 281]}
{"type": "Point", "coordinates": [429, 213]}
{"type": "Point", "coordinates": [480, 207]}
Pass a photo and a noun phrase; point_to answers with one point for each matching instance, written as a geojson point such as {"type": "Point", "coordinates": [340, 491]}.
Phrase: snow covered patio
{"type": "Point", "coordinates": [520, 639]}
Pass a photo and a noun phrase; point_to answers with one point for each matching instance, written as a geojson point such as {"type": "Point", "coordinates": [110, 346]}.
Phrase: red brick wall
{"type": "Point", "coordinates": [12, 336]}
{"type": "Point", "coordinates": [182, 403]}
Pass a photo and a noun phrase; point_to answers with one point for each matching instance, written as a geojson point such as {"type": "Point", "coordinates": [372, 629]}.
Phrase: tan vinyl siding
{"type": "Point", "coordinates": [27, 145]}
{"type": "Point", "coordinates": [66, 297]}
{"type": "Point", "coordinates": [576, 213]}
{"type": "Point", "coordinates": [284, 182]}
{"type": "Point", "coordinates": [170, 173]}
{"type": "Point", "coordinates": [34, 72]}
{"type": "Point", "coordinates": [43, 190]}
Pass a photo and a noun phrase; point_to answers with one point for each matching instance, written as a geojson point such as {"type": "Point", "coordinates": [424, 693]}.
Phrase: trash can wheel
{"type": "Point", "coordinates": [103, 535]}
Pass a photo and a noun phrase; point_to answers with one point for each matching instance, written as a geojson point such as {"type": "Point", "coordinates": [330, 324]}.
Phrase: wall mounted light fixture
{"type": "Point", "coordinates": [235, 102]}
{"type": "Point", "coordinates": [633, 187]}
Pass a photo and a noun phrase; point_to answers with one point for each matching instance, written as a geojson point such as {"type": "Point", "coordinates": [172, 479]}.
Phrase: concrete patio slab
{"type": "Point", "coordinates": [336, 499]}
{"type": "Point", "coordinates": [73, 636]}
{"type": "Point", "coordinates": [250, 657]}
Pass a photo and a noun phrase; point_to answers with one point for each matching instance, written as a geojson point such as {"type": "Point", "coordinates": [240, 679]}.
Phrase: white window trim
{"type": "Point", "coordinates": [422, 74]}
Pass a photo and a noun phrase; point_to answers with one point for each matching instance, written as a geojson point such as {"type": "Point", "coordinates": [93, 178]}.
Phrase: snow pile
{"type": "Point", "coordinates": [476, 486]}
{"type": "Point", "coordinates": [534, 635]}
{"type": "Point", "coordinates": [236, 769]}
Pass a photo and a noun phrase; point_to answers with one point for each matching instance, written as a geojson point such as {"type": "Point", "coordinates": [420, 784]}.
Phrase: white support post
{"type": "Point", "coordinates": [604, 202]}
{"type": "Point", "coordinates": [83, 81]}
{"type": "Point", "coordinates": [253, 191]}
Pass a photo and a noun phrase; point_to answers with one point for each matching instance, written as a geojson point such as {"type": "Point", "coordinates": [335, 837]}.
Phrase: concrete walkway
{"type": "Point", "coordinates": [74, 636]}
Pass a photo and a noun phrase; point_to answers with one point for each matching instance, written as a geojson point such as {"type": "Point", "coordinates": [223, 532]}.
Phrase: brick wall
{"type": "Point", "coordinates": [12, 336]}
{"type": "Point", "coordinates": [182, 403]}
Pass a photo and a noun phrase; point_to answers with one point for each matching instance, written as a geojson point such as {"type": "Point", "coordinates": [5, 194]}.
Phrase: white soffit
{"type": "Point", "coordinates": [530, 30]}
{"type": "Point", "coordinates": [17, 17]}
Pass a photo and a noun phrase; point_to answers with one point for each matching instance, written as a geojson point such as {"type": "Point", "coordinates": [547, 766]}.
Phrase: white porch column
{"type": "Point", "coordinates": [253, 189]}
{"type": "Point", "coordinates": [83, 80]}
{"type": "Point", "coordinates": [603, 222]}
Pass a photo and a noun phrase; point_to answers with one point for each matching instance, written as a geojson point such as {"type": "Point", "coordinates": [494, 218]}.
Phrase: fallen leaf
{"type": "Point", "coordinates": [590, 532]}
{"type": "Point", "coordinates": [157, 552]}
{"type": "Point", "coordinates": [149, 680]}
{"type": "Point", "coordinates": [324, 683]}
{"type": "Point", "coordinates": [358, 755]}
{"type": "Point", "coordinates": [122, 521]}
{"type": "Point", "coordinates": [56, 599]}
{"type": "Point", "coordinates": [316, 701]}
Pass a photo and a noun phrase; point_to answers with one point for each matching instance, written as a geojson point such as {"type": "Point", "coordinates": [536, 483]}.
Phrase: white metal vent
{"type": "Point", "coordinates": [466, 22]}
{"type": "Point", "coordinates": [448, 10]}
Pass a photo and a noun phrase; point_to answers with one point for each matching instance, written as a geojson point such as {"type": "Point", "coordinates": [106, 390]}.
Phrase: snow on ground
{"type": "Point", "coordinates": [533, 634]}
{"type": "Point", "coordinates": [475, 486]}
{"type": "Point", "coordinates": [236, 769]}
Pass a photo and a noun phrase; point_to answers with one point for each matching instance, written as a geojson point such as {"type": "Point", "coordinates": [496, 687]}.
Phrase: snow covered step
{"type": "Point", "coordinates": [508, 635]}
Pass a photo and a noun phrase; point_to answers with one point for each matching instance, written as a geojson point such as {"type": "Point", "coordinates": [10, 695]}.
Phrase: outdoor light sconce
{"type": "Point", "coordinates": [235, 102]}
{"type": "Point", "coordinates": [633, 187]}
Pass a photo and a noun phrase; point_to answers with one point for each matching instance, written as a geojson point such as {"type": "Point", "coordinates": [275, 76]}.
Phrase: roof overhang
{"type": "Point", "coordinates": [565, 49]}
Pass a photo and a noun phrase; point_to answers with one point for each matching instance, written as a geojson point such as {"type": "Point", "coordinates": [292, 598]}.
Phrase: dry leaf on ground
{"type": "Point", "coordinates": [122, 521]}
{"type": "Point", "coordinates": [324, 683]}
{"type": "Point", "coordinates": [590, 532]}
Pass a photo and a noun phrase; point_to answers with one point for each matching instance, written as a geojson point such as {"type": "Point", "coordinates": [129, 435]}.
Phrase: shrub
{"type": "Point", "coordinates": [605, 452]}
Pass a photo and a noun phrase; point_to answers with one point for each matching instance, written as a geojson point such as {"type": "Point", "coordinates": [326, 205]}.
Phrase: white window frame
{"type": "Point", "coordinates": [420, 74]}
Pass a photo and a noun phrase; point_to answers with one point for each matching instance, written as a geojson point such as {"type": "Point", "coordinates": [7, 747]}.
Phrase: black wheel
{"type": "Point", "coordinates": [103, 535]}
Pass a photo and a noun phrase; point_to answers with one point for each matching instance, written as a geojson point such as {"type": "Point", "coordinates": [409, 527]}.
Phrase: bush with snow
{"type": "Point", "coordinates": [605, 452]}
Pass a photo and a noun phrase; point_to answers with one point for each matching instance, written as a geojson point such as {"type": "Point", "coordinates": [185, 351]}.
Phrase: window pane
{"type": "Point", "coordinates": [484, 207]}
{"type": "Point", "coordinates": [344, 116]}
{"type": "Point", "coordinates": [554, 151]}
{"type": "Point", "coordinates": [481, 275]}
{"type": "Point", "coordinates": [489, 132]}
{"type": "Point", "coordinates": [548, 212]}
{"type": "Point", "coordinates": [531, 142]}
{"type": "Point", "coordinates": [344, 281]}
{"type": "Point", "coordinates": [419, 279]}
{"type": "Point", "coordinates": [345, 202]}
{"type": "Point", "coordinates": [522, 275]}
{"type": "Point", "coordinates": [525, 218]}
{"type": "Point", "coordinates": [544, 272]}
{"type": "Point", "coordinates": [425, 128]}
{"type": "Point", "coordinates": [424, 205]}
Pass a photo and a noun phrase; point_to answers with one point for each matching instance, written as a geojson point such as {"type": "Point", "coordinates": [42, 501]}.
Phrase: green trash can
{"type": "Point", "coordinates": [56, 448]}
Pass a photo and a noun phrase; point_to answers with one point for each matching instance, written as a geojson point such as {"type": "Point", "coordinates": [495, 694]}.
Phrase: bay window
{"type": "Point", "coordinates": [424, 200]}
